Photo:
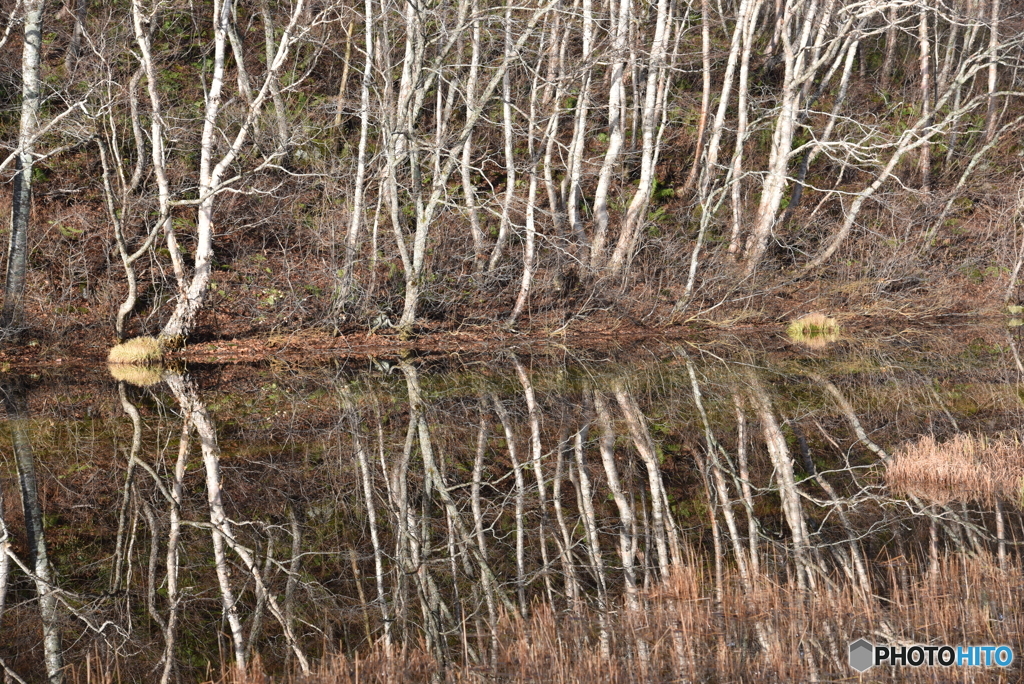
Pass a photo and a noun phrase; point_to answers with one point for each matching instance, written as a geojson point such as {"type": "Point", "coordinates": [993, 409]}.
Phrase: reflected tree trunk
{"type": "Point", "coordinates": [195, 412]}
{"type": "Point", "coordinates": [665, 539]}
{"type": "Point", "coordinates": [851, 416]}
{"type": "Point", "coordinates": [16, 404]}
{"type": "Point", "coordinates": [478, 528]}
{"type": "Point", "coordinates": [572, 591]}
{"type": "Point", "coordinates": [5, 545]}
{"type": "Point", "coordinates": [589, 515]}
{"type": "Point", "coordinates": [627, 517]}
{"type": "Point", "coordinates": [371, 513]}
{"type": "Point", "coordinates": [221, 529]}
{"type": "Point", "coordinates": [536, 457]}
{"type": "Point", "coordinates": [745, 486]}
{"type": "Point", "coordinates": [520, 503]}
{"type": "Point", "coordinates": [786, 480]}
{"type": "Point", "coordinates": [173, 538]}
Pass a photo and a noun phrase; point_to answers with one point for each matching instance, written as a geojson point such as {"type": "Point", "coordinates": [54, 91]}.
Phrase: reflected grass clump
{"type": "Point", "coordinates": [814, 330]}
{"type": "Point", "coordinates": [139, 351]}
{"type": "Point", "coordinates": [140, 376]}
{"type": "Point", "coordinates": [966, 468]}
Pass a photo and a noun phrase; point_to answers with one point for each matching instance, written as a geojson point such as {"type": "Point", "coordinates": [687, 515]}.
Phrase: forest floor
{"type": "Point", "coordinates": [864, 310]}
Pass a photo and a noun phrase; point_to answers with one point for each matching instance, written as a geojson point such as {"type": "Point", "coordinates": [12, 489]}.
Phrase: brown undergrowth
{"type": "Point", "coordinates": [685, 630]}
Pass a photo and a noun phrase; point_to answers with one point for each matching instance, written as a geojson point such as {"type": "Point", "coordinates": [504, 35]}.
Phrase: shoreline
{"type": "Point", "coordinates": [310, 345]}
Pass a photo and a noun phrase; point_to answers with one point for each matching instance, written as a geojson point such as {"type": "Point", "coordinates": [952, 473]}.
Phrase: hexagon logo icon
{"type": "Point", "coordinates": [861, 655]}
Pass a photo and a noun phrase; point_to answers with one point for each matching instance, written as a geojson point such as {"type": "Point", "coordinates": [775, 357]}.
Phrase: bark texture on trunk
{"type": "Point", "coordinates": [21, 200]}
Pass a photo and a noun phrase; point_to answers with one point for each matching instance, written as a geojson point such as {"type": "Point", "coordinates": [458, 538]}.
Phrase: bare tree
{"type": "Point", "coordinates": [21, 201]}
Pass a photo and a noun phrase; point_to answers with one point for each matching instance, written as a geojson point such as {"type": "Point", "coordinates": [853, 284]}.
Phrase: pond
{"type": "Point", "coordinates": [739, 510]}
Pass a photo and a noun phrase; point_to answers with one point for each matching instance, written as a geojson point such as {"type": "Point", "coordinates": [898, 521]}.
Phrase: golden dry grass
{"type": "Point", "coordinates": [814, 330]}
{"type": "Point", "coordinates": [966, 468]}
{"type": "Point", "coordinates": [139, 351]}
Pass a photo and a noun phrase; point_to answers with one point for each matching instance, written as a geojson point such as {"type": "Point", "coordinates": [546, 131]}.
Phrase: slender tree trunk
{"type": "Point", "coordinates": [556, 76]}
{"type": "Point", "coordinates": [651, 127]}
{"type": "Point", "coordinates": [520, 499]}
{"type": "Point", "coordinates": [504, 223]}
{"type": "Point", "coordinates": [358, 192]}
{"type": "Point", "coordinates": [143, 25]}
{"type": "Point", "coordinates": [21, 199]}
{"type": "Point", "coordinates": [742, 96]}
{"type": "Point", "coordinates": [428, 198]}
{"type": "Point", "coordinates": [238, 52]}
{"type": "Point", "coordinates": [190, 302]}
{"type": "Point", "coordinates": [347, 68]}
{"type": "Point", "coordinates": [271, 48]}
{"type": "Point", "coordinates": [192, 296]}
{"type": "Point", "coordinates": [993, 72]}
{"type": "Point", "coordinates": [705, 100]}
{"type": "Point", "coordinates": [924, 41]}
{"type": "Point", "coordinates": [75, 46]}
{"type": "Point", "coordinates": [616, 129]}
{"type": "Point", "coordinates": [891, 38]}
{"type": "Point", "coordinates": [775, 180]}
{"type": "Point", "coordinates": [468, 189]}
{"type": "Point", "coordinates": [530, 238]}
{"type": "Point", "coordinates": [574, 170]}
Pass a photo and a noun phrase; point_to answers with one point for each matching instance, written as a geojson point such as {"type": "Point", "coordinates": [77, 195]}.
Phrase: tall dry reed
{"type": "Point", "coordinates": [775, 632]}
{"type": "Point", "coordinates": [966, 468]}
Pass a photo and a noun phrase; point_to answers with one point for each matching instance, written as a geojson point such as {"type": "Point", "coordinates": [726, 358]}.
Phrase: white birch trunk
{"type": "Point", "coordinates": [637, 210]}
{"type": "Point", "coordinates": [616, 128]}
{"type": "Point", "coordinates": [212, 170]}
{"type": "Point", "coordinates": [993, 72]}
{"type": "Point", "coordinates": [924, 42]}
{"type": "Point", "coordinates": [358, 191]}
{"type": "Point", "coordinates": [510, 159]}
{"type": "Point", "coordinates": [21, 198]}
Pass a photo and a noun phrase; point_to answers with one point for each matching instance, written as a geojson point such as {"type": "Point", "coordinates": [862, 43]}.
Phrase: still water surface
{"type": "Point", "coordinates": [725, 512]}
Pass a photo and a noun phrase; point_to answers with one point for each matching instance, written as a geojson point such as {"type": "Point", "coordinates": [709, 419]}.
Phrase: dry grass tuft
{"type": "Point", "coordinates": [139, 351]}
{"type": "Point", "coordinates": [966, 468]}
{"type": "Point", "coordinates": [140, 376]}
{"type": "Point", "coordinates": [814, 330]}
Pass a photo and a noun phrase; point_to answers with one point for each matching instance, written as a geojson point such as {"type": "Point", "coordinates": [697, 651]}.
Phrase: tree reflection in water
{"type": "Point", "coordinates": [683, 519]}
